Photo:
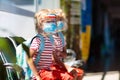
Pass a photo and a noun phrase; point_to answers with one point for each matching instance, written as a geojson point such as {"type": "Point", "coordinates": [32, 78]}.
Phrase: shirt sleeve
{"type": "Point", "coordinates": [35, 44]}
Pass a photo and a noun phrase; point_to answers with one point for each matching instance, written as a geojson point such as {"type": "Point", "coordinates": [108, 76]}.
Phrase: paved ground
{"type": "Point", "coordinates": [111, 75]}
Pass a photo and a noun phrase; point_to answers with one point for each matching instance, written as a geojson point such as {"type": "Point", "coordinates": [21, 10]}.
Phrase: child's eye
{"type": "Point", "coordinates": [50, 21]}
{"type": "Point", "coordinates": [60, 19]}
{"type": "Point", "coordinates": [53, 21]}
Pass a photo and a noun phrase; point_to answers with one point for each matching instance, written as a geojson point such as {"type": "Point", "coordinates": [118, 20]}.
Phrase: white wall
{"type": "Point", "coordinates": [51, 4]}
{"type": "Point", "coordinates": [16, 25]}
{"type": "Point", "coordinates": [21, 25]}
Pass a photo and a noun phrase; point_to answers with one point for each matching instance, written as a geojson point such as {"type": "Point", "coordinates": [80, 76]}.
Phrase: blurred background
{"type": "Point", "coordinates": [93, 28]}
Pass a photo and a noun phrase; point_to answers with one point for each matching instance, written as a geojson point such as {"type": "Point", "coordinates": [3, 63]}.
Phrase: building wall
{"type": "Point", "coordinates": [17, 16]}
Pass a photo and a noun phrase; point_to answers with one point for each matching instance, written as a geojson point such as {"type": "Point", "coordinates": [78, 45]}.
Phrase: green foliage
{"type": "Point", "coordinates": [7, 47]}
{"type": "Point", "coordinates": [18, 40]}
{"type": "Point", "coordinates": [8, 50]}
{"type": "Point", "coordinates": [26, 48]}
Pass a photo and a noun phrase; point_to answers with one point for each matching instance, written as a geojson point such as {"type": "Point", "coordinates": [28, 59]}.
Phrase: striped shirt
{"type": "Point", "coordinates": [46, 55]}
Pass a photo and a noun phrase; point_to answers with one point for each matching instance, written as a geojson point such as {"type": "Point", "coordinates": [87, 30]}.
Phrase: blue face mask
{"type": "Point", "coordinates": [49, 27]}
{"type": "Point", "coordinates": [60, 25]}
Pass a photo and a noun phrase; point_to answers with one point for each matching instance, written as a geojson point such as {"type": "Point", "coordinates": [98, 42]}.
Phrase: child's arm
{"type": "Point", "coordinates": [58, 61]}
{"type": "Point", "coordinates": [61, 54]}
{"type": "Point", "coordinates": [32, 65]}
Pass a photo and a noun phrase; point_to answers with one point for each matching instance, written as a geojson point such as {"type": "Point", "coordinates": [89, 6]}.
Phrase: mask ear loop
{"type": "Point", "coordinates": [64, 27]}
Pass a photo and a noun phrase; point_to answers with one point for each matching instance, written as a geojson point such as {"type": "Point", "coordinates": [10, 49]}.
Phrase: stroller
{"type": "Point", "coordinates": [11, 71]}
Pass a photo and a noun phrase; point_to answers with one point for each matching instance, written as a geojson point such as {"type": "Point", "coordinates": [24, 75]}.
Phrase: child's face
{"type": "Point", "coordinates": [49, 25]}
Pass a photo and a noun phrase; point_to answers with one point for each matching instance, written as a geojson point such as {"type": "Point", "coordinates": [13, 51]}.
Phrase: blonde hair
{"type": "Point", "coordinates": [61, 16]}
{"type": "Point", "coordinates": [40, 17]}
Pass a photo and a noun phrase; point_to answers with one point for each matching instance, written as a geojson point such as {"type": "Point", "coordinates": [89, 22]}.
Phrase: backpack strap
{"type": "Point", "coordinates": [51, 39]}
{"type": "Point", "coordinates": [62, 37]}
{"type": "Point", "coordinates": [41, 47]}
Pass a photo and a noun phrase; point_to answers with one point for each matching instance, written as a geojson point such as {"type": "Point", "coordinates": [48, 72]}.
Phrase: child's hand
{"type": "Point", "coordinates": [38, 78]}
{"type": "Point", "coordinates": [58, 61]}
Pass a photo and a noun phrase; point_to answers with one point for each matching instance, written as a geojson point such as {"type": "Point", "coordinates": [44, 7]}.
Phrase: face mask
{"type": "Point", "coordinates": [60, 25]}
{"type": "Point", "coordinates": [49, 27]}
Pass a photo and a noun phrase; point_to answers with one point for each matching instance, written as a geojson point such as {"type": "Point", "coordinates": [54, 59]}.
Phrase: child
{"type": "Point", "coordinates": [50, 66]}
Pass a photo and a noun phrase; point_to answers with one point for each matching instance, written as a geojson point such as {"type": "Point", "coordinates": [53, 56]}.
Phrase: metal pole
{"type": "Point", "coordinates": [36, 5]}
{"type": "Point", "coordinates": [5, 61]}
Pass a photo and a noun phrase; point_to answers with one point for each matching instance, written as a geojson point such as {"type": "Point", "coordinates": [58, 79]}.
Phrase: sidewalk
{"type": "Point", "coordinates": [111, 75]}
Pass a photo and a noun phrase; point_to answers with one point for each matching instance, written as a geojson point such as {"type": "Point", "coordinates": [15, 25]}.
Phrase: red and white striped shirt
{"type": "Point", "coordinates": [46, 55]}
